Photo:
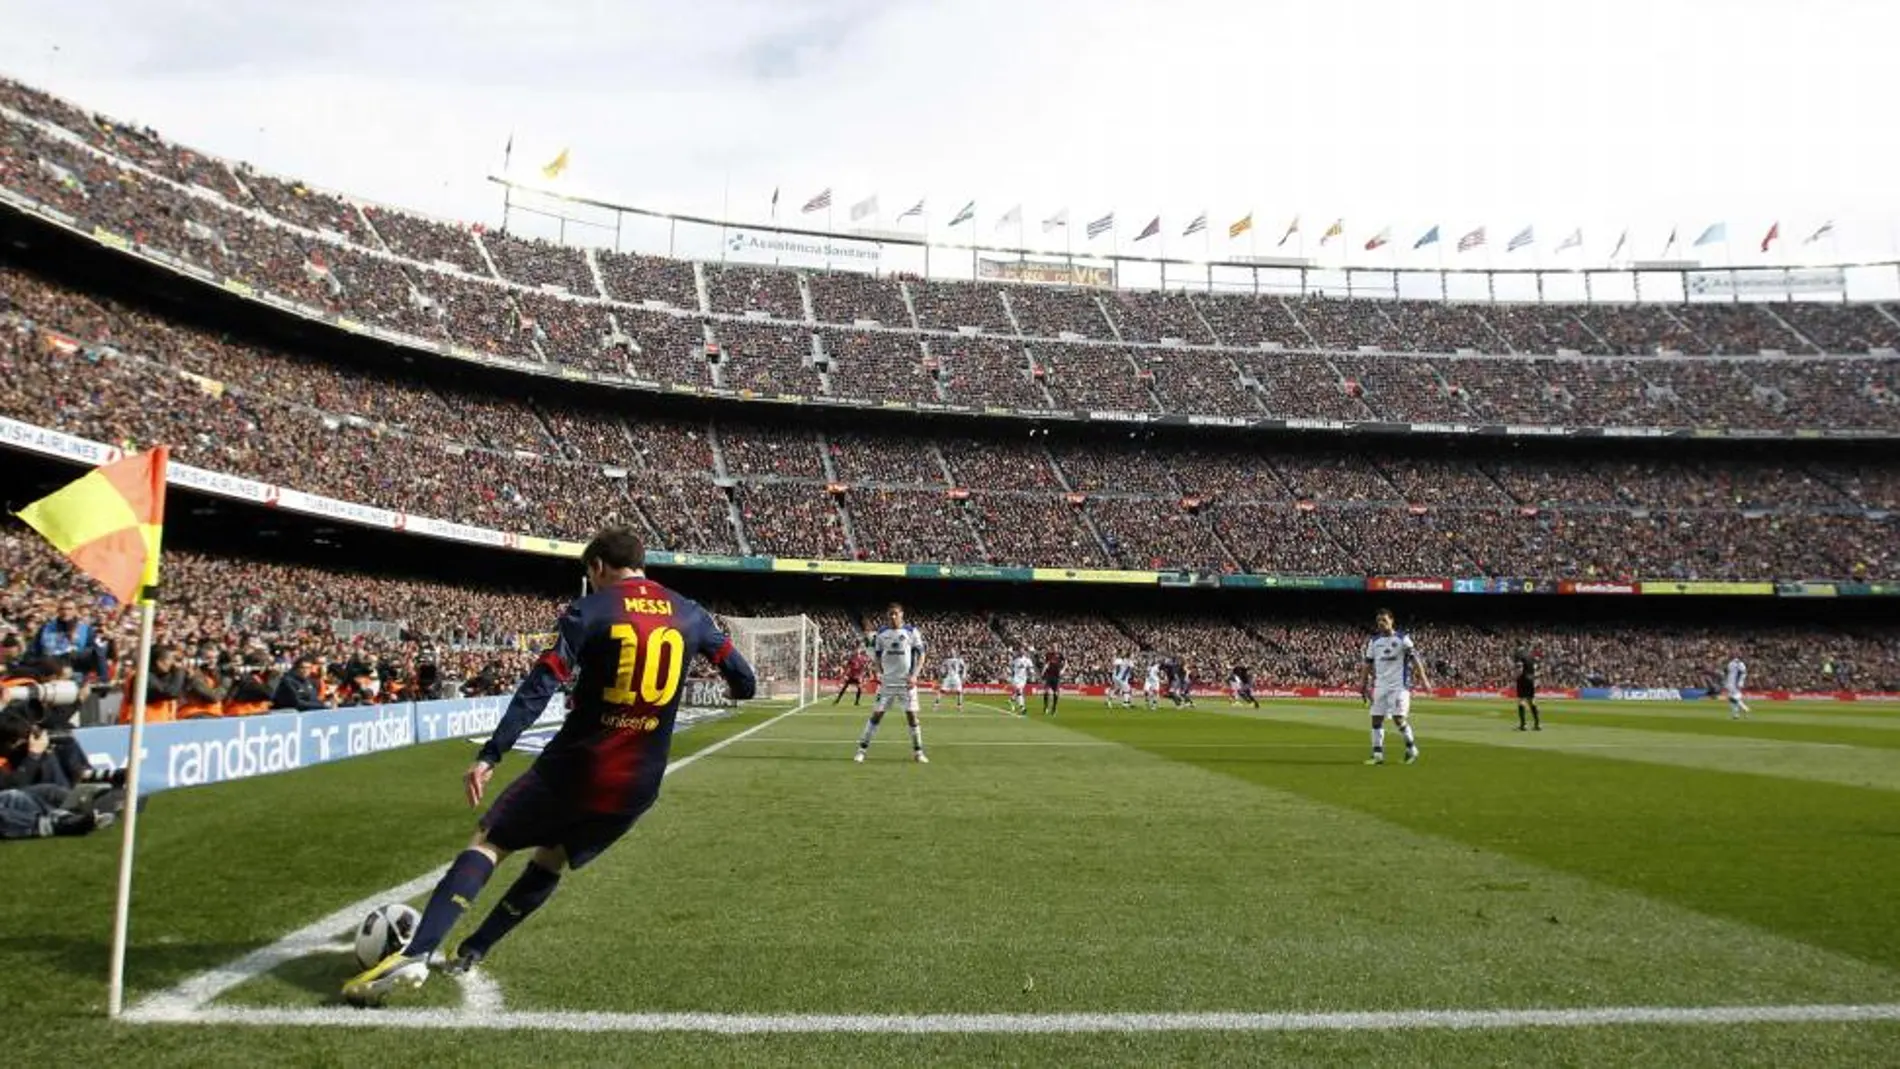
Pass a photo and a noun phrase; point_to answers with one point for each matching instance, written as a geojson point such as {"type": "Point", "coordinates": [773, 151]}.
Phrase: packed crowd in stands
{"type": "Point", "coordinates": [120, 374]}
{"type": "Point", "coordinates": [878, 364]}
{"type": "Point", "coordinates": [234, 619]}
{"type": "Point", "coordinates": [637, 279]}
{"type": "Point", "coordinates": [415, 636]}
{"type": "Point", "coordinates": [848, 297]}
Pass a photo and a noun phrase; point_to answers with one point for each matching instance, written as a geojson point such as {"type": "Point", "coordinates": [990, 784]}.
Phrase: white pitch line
{"type": "Point", "coordinates": [1049, 1023]}
{"type": "Point", "coordinates": [481, 995]}
{"type": "Point", "coordinates": [192, 994]}
{"type": "Point", "coordinates": [940, 743]}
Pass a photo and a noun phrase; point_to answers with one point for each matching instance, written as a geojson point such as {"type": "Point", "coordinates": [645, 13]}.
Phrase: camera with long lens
{"type": "Point", "coordinates": [51, 703]}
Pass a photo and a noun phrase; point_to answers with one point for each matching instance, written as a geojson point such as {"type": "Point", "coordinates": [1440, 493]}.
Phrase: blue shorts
{"type": "Point", "coordinates": [531, 814]}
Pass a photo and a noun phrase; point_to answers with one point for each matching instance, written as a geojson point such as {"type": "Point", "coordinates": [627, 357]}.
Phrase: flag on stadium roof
{"type": "Point", "coordinates": [867, 206]}
{"type": "Point", "coordinates": [1620, 242]}
{"type": "Point", "coordinates": [1774, 231]}
{"type": "Point", "coordinates": [1715, 232]}
{"type": "Point", "coordinates": [915, 209]}
{"type": "Point", "coordinates": [1671, 243]}
{"type": "Point", "coordinates": [1060, 218]}
{"type": "Point", "coordinates": [1101, 226]}
{"type": "Point", "coordinates": [109, 521]}
{"type": "Point", "coordinates": [1014, 215]}
{"type": "Point", "coordinates": [1153, 228]}
{"type": "Point", "coordinates": [818, 203]}
{"type": "Point", "coordinates": [1240, 226]}
{"type": "Point", "coordinates": [1574, 240]}
{"type": "Point", "coordinates": [1824, 230]}
{"type": "Point", "coordinates": [1519, 240]}
{"type": "Point", "coordinates": [1338, 228]}
{"type": "Point", "coordinates": [1429, 237]}
{"type": "Point", "coordinates": [1198, 224]}
{"type": "Point", "coordinates": [774, 200]}
{"type": "Point", "coordinates": [1381, 238]}
{"type": "Point", "coordinates": [1471, 241]}
{"type": "Point", "coordinates": [1292, 228]}
{"type": "Point", "coordinates": [964, 215]}
{"type": "Point", "coordinates": [553, 168]}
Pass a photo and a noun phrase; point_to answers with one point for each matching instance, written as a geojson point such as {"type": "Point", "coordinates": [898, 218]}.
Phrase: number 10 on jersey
{"type": "Point", "coordinates": [658, 658]}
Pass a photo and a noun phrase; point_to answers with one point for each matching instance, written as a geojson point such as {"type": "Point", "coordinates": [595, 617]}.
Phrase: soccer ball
{"type": "Point", "coordinates": [386, 930]}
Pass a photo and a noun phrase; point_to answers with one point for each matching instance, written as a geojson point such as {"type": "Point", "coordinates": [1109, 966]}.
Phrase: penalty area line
{"type": "Point", "coordinates": [188, 999]}
{"type": "Point", "coordinates": [1022, 1024]}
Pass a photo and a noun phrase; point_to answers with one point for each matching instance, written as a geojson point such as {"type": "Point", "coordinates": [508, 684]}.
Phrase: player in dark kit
{"type": "Point", "coordinates": [853, 678]}
{"type": "Point", "coordinates": [1243, 685]}
{"type": "Point", "coordinates": [624, 651]}
{"type": "Point", "coordinates": [1527, 689]}
{"type": "Point", "coordinates": [1051, 681]}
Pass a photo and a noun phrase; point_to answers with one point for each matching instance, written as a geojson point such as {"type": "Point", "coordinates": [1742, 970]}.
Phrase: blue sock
{"type": "Point", "coordinates": [530, 891]}
{"type": "Point", "coordinates": [458, 890]}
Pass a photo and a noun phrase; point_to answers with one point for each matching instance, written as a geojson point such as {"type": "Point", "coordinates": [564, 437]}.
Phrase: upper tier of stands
{"type": "Point", "coordinates": [878, 339]}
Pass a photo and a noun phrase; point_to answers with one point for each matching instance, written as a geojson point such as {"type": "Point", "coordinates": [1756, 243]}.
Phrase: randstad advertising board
{"type": "Point", "coordinates": [191, 753]}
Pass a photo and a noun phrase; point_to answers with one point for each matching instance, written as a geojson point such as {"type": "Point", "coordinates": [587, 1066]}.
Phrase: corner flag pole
{"type": "Point", "coordinates": [121, 913]}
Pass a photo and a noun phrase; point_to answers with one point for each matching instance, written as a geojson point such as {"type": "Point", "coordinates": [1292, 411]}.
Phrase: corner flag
{"type": "Point", "coordinates": [108, 523]}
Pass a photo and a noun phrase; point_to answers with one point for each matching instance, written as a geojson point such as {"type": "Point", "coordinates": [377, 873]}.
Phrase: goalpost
{"type": "Point", "coordinates": [783, 650]}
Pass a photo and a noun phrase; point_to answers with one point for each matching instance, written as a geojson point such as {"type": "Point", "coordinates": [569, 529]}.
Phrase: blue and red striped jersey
{"type": "Point", "coordinates": [623, 651]}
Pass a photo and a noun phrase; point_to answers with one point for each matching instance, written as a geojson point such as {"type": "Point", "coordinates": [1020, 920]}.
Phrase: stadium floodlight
{"type": "Point", "coordinates": [783, 651]}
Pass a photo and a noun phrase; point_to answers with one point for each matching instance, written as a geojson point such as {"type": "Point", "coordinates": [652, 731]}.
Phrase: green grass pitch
{"type": "Point", "coordinates": [1216, 861]}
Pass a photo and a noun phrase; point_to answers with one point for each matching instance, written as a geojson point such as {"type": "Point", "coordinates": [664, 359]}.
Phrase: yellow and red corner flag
{"type": "Point", "coordinates": [108, 522]}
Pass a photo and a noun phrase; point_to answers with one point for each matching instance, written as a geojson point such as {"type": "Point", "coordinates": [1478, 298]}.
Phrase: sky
{"type": "Point", "coordinates": [1645, 115]}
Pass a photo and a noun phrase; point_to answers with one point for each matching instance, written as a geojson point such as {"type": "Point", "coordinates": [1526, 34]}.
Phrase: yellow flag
{"type": "Point", "coordinates": [109, 521]}
{"type": "Point", "coordinates": [555, 166]}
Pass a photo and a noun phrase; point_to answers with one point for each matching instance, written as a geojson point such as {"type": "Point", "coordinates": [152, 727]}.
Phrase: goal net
{"type": "Point", "coordinates": [783, 650]}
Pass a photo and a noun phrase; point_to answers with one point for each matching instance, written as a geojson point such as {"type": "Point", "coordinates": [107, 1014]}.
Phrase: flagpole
{"type": "Point", "coordinates": [121, 913]}
{"type": "Point", "coordinates": [725, 213]}
{"type": "Point", "coordinates": [508, 187]}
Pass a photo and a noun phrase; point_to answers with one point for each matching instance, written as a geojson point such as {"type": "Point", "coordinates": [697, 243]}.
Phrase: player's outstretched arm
{"type": "Point", "coordinates": [714, 645]}
{"type": "Point", "coordinates": [550, 670]}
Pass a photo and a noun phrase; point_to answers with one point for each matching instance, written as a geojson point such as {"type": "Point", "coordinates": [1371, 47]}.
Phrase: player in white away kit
{"type": "Point", "coordinates": [1151, 685]}
{"type": "Point", "coordinates": [953, 669]}
{"type": "Point", "coordinates": [1122, 682]}
{"type": "Point", "coordinates": [898, 652]}
{"type": "Point", "coordinates": [1390, 660]}
{"type": "Point", "coordinates": [1019, 670]}
{"type": "Point", "coordinates": [1732, 685]}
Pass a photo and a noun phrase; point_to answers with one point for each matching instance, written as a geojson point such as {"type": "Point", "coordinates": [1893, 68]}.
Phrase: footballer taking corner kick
{"type": "Point", "coordinates": [898, 650]}
{"type": "Point", "coordinates": [623, 649]}
{"type": "Point", "coordinates": [1390, 661]}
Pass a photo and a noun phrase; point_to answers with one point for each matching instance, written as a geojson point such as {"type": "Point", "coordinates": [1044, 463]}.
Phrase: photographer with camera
{"type": "Point", "coordinates": [164, 689]}
{"type": "Point", "coordinates": [205, 685]}
{"type": "Point", "coordinates": [251, 686]}
{"type": "Point", "coordinates": [38, 796]}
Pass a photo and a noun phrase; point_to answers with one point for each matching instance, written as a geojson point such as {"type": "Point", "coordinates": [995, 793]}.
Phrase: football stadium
{"type": "Point", "coordinates": [1304, 638]}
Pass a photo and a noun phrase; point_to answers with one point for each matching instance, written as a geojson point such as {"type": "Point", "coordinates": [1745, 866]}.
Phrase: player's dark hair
{"type": "Point", "coordinates": [894, 605]}
{"type": "Point", "coordinates": [616, 547]}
